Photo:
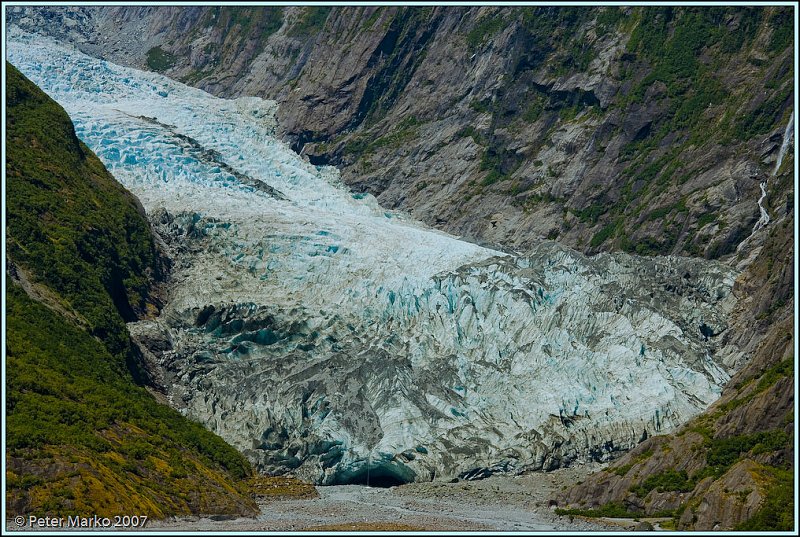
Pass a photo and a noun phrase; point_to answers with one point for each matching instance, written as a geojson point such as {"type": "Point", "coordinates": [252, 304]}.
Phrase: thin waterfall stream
{"type": "Point", "coordinates": [787, 136]}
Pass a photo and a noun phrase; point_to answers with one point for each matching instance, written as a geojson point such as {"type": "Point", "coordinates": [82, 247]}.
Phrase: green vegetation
{"type": "Point", "coordinates": [484, 29]}
{"type": "Point", "coordinates": [782, 25]}
{"type": "Point", "coordinates": [764, 117]}
{"type": "Point", "coordinates": [684, 49]}
{"type": "Point", "coordinates": [310, 22]}
{"type": "Point", "coordinates": [398, 63]}
{"type": "Point", "coordinates": [778, 371]}
{"type": "Point", "coordinates": [243, 19]}
{"type": "Point", "coordinates": [240, 25]}
{"type": "Point", "coordinates": [672, 41]}
{"type": "Point", "coordinates": [749, 20]}
{"type": "Point", "coordinates": [281, 487]}
{"type": "Point", "coordinates": [601, 236]}
{"type": "Point", "coordinates": [370, 21]}
{"type": "Point", "coordinates": [535, 109]}
{"type": "Point", "coordinates": [579, 54]}
{"type": "Point", "coordinates": [271, 21]}
{"type": "Point", "coordinates": [681, 59]}
{"type": "Point", "coordinates": [641, 457]}
{"type": "Point", "coordinates": [159, 59]}
{"type": "Point", "coordinates": [674, 54]}
{"type": "Point", "coordinates": [82, 437]}
{"type": "Point", "coordinates": [196, 75]}
{"type": "Point", "coordinates": [403, 132]}
{"type": "Point", "coordinates": [651, 180]}
{"type": "Point", "coordinates": [777, 510]}
{"type": "Point", "coordinates": [480, 106]}
{"type": "Point", "coordinates": [608, 19]}
{"type": "Point", "coordinates": [725, 452]}
{"type": "Point", "coordinates": [76, 229]}
{"type": "Point", "coordinates": [674, 58]}
{"type": "Point", "coordinates": [669, 480]}
{"type": "Point", "coordinates": [721, 454]}
{"type": "Point", "coordinates": [499, 163]}
{"type": "Point", "coordinates": [622, 470]}
{"type": "Point", "coordinates": [591, 213]}
{"type": "Point", "coordinates": [557, 31]}
{"type": "Point", "coordinates": [69, 390]}
{"type": "Point", "coordinates": [473, 133]}
{"type": "Point", "coordinates": [615, 510]}
{"type": "Point", "coordinates": [706, 219]}
{"type": "Point", "coordinates": [77, 423]}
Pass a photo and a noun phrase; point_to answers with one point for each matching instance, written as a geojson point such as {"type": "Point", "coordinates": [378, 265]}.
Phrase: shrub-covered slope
{"type": "Point", "coordinates": [82, 436]}
{"type": "Point", "coordinates": [645, 129]}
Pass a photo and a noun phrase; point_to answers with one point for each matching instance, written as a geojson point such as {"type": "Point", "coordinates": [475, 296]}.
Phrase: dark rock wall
{"type": "Point", "coordinates": [639, 129]}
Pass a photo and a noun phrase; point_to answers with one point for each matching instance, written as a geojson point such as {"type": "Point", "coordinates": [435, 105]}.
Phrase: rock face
{"type": "Point", "coordinates": [326, 336]}
{"type": "Point", "coordinates": [646, 130]}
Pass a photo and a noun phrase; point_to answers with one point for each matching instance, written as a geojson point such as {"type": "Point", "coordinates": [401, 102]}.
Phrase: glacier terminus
{"type": "Point", "coordinates": [327, 337]}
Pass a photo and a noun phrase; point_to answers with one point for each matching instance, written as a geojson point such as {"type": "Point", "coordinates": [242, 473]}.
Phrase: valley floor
{"type": "Point", "coordinates": [505, 503]}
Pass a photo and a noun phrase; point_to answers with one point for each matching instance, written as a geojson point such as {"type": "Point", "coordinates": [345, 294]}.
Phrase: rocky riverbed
{"type": "Point", "coordinates": [505, 503]}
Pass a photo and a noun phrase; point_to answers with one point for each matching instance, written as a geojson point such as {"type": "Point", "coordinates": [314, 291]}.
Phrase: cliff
{"type": "Point", "coordinates": [731, 467]}
{"type": "Point", "coordinates": [647, 130]}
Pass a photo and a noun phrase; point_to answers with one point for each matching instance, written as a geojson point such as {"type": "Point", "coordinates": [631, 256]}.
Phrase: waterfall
{"type": "Point", "coordinates": [764, 220]}
{"type": "Point", "coordinates": [787, 136]}
{"type": "Point", "coordinates": [350, 330]}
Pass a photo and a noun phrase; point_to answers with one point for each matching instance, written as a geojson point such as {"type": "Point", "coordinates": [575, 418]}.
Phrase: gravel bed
{"type": "Point", "coordinates": [499, 503]}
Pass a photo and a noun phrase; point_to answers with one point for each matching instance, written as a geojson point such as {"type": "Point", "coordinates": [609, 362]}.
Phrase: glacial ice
{"type": "Point", "coordinates": [323, 335]}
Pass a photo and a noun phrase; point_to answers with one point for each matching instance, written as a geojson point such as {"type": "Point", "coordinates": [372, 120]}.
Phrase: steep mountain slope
{"type": "Point", "coordinates": [82, 437]}
{"type": "Point", "coordinates": [647, 130]}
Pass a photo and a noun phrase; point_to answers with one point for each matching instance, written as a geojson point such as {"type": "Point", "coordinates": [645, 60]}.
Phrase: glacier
{"type": "Point", "coordinates": [328, 337]}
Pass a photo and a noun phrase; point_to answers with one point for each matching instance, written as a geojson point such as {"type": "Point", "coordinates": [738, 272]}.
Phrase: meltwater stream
{"type": "Point", "coordinates": [326, 336]}
{"type": "Point", "coordinates": [787, 137]}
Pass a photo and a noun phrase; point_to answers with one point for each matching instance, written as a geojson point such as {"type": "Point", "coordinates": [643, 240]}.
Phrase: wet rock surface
{"type": "Point", "coordinates": [752, 422]}
{"type": "Point", "coordinates": [431, 147]}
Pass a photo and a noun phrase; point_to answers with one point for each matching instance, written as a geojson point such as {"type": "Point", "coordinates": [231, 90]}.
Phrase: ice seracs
{"type": "Point", "coordinates": [324, 335]}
